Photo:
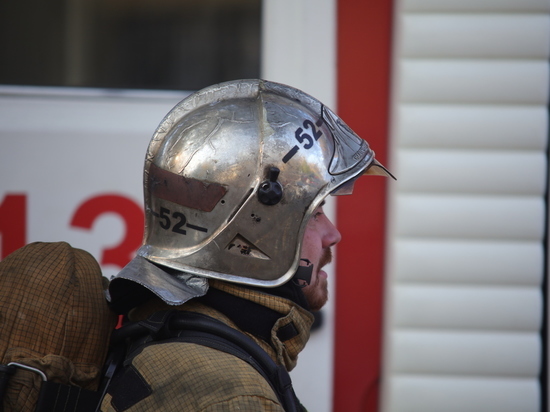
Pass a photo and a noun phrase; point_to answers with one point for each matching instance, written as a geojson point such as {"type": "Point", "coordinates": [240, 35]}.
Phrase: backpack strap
{"type": "Point", "coordinates": [57, 397]}
{"type": "Point", "coordinates": [53, 397]}
{"type": "Point", "coordinates": [206, 331]}
{"type": "Point", "coordinates": [178, 326]}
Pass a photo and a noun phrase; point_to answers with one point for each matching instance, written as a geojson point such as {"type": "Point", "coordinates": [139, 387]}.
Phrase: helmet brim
{"type": "Point", "coordinates": [378, 169]}
{"type": "Point", "coordinates": [375, 169]}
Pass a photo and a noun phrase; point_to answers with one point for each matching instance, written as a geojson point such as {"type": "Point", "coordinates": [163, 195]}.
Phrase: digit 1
{"type": "Point", "coordinates": [13, 223]}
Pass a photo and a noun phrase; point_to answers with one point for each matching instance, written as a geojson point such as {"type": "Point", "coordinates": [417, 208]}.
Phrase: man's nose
{"type": "Point", "coordinates": [332, 235]}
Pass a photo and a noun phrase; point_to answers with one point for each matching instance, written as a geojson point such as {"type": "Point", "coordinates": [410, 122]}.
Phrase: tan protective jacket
{"type": "Point", "coordinates": [190, 377]}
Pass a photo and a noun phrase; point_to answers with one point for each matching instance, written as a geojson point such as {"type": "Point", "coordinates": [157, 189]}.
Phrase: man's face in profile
{"type": "Point", "coordinates": [319, 237]}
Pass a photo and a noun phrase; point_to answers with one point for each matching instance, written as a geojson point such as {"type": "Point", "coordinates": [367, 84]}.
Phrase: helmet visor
{"type": "Point", "coordinates": [375, 169]}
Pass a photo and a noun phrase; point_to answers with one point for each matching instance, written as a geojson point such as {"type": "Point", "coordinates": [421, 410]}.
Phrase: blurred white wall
{"type": "Point", "coordinates": [62, 151]}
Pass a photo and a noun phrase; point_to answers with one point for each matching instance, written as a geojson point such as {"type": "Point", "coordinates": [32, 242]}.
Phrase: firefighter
{"type": "Point", "coordinates": [235, 180]}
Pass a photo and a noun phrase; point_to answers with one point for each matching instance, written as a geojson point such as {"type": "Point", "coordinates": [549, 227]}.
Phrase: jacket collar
{"type": "Point", "coordinates": [289, 324]}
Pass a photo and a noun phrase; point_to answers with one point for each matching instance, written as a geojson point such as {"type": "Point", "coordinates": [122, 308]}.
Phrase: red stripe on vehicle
{"type": "Point", "coordinates": [364, 63]}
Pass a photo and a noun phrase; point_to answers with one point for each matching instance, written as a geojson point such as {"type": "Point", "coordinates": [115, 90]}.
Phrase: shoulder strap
{"type": "Point", "coordinates": [206, 331]}
{"type": "Point", "coordinates": [53, 396]}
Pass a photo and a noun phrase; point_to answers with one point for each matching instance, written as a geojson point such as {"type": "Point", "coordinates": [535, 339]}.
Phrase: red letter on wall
{"type": "Point", "coordinates": [13, 223]}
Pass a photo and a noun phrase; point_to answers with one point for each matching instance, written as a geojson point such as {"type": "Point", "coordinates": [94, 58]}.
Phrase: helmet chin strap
{"type": "Point", "coordinates": [302, 277]}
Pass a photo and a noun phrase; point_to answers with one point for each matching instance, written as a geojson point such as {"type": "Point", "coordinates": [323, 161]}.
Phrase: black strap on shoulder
{"type": "Point", "coordinates": [237, 344]}
{"type": "Point", "coordinates": [206, 331]}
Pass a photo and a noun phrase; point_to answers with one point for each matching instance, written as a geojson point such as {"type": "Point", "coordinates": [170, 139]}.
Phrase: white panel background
{"type": "Point", "coordinates": [464, 305]}
{"type": "Point", "coordinates": [61, 147]}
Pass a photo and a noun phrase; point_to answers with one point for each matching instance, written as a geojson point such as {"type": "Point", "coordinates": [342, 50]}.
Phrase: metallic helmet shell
{"type": "Point", "coordinates": [212, 154]}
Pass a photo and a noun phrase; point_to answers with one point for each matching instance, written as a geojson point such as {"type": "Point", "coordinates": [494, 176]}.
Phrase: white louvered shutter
{"type": "Point", "coordinates": [464, 303]}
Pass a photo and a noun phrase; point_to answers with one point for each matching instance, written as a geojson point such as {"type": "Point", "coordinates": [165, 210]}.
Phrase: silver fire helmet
{"type": "Point", "coordinates": [233, 174]}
